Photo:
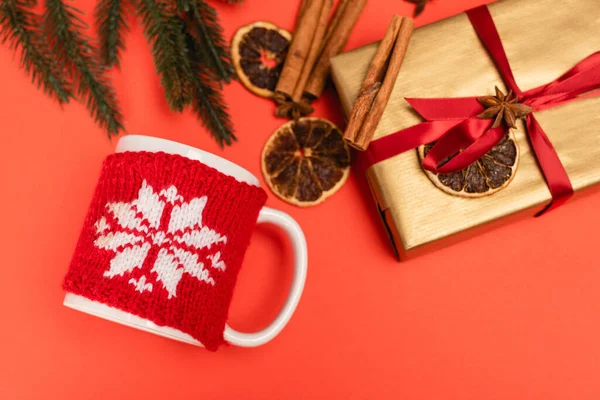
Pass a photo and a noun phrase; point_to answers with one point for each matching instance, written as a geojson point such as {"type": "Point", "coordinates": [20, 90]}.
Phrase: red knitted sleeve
{"type": "Point", "coordinates": [164, 239]}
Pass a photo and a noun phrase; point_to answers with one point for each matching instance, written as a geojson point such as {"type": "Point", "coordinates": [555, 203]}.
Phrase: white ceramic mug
{"type": "Point", "coordinates": [267, 215]}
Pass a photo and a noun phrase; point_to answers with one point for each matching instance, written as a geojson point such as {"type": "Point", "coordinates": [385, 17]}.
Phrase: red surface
{"type": "Point", "coordinates": [512, 314]}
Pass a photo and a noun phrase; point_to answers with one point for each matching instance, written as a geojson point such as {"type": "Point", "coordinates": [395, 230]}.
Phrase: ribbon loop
{"type": "Point", "coordinates": [452, 142]}
{"type": "Point", "coordinates": [474, 152]}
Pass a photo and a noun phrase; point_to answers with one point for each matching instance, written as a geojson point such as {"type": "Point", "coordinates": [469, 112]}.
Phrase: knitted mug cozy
{"type": "Point", "coordinates": [164, 239]}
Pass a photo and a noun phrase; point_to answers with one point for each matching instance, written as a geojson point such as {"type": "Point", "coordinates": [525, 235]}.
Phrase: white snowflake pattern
{"type": "Point", "coordinates": [133, 228]}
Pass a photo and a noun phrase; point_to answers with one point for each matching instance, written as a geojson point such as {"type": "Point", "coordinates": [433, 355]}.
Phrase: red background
{"type": "Point", "coordinates": [511, 314]}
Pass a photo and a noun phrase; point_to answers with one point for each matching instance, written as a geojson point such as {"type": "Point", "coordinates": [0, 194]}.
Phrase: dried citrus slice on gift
{"type": "Point", "coordinates": [258, 51]}
{"type": "Point", "coordinates": [490, 174]}
{"type": "Point", "coordinates": [306, 161]}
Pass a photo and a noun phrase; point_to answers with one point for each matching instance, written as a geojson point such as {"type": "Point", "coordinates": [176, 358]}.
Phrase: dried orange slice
{"type": "Point", "coordinates": [306, 161]}
{"type": "Point", "coordinates": [258, 51]}
{"type": "Point", "coordinates": [490, 174]}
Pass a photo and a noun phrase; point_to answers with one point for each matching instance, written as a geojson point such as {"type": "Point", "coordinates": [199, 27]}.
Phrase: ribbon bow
{"type": "Point", "coordinates": [454, 124]}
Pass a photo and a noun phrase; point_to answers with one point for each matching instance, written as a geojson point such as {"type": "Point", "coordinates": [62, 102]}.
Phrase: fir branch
{"type": "Point", "coordinates": [203, 25]}
{"type": "Point", "coordinates": [182, 74]}
{"type": "Point", "coordinates": [165, 31]}
{"type": "Point", "coordinates": [208, 103]}
{"type": "Point", "coordinates": [20, 27]}
{"type": "Point", "coordinates": [184, 5]}
{"type": "Point", "coordinates": [111, 22]}
{"type": "Point", "coordinates": [63, 27]}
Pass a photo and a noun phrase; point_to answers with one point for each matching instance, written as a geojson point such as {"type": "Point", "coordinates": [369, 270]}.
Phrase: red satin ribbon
{"type": "Point", "coordinates": [453, 122]}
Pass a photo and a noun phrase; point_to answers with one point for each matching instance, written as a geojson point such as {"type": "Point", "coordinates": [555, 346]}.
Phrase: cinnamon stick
{"type": "Point", "coordinates": [313, 52]}
{"type": "Point", "coordinates": [304, 33]}
{"type": "Point", "coordinates": [372, 83]}
{"type": "Point", "coordinates": [335, 20]}
{"type": "Point", "coordinates": [378, 84]}
{"type": "Point", "coordinates": [344, 18]}
{"type": "Point", "coordinates": [301, 11]}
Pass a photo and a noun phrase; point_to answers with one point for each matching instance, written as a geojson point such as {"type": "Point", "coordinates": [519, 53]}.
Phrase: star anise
{"type": "Point", "coordinates": [420, 6]}
{"type": "Point", "coordinates": [293, 110]}
{"type": "Point", "coordinates": [503, 108]}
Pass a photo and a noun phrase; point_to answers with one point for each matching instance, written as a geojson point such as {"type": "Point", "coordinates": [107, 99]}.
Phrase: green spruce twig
{"type": "Point", "coordinates": [19, 25]}
{"type": "Point", "coordinates": [189, 51]}
{"type": "Point", "coordinates": [165, 31]}
{"type": "Point", "coordinates": [111, 23]}
{"type": "Point", "coordinates": [203, 24]}
{"type": "Point", "coordinates": [208, 103]}
{"type": "Point", "coordinates": [63, 28]}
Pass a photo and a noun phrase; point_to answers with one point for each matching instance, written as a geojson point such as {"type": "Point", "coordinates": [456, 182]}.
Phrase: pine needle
{"type": "Point", "coordinates": [20, 27]}
{"type": "Point", "coordinates": [204, 27]}
{"type": "Point", "coordinates": [210, 108]}
{"type": "Point", "coordinates": [184, 5]}
{"type": "Point", "coordinates": [208, 103]}
{"type": "Point", "coordinates": [63, 28]}
{"type": "Point", "coordinates": [111, 23]}
{"type": "Point", "coordinates": [165, 31]}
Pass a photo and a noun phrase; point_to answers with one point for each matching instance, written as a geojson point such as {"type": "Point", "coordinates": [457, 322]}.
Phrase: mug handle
{"type": "Point", "coordinates": [292, 229]}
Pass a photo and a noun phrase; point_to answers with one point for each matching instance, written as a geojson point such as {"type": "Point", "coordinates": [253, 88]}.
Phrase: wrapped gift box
{"type": "Point", "coordinates": [543, 39]}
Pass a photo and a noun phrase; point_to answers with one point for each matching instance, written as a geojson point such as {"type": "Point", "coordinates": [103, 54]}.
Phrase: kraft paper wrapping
{"type": "Point", "coordinates": [543, 39]}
